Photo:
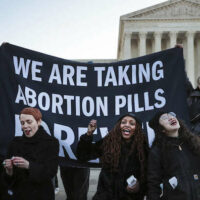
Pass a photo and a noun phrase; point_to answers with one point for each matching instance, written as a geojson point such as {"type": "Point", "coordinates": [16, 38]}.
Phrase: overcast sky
{"type": "Point", "coordinates": [71, 29]}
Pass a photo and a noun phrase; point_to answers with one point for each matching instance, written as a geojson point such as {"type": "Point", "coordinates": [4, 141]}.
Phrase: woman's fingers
{"type": "Point", "coordinates": [20, 162]}
{"type": "Point", "coordinates": [134, 188]}
{"type": "Point", "coordinates": [7, 163]}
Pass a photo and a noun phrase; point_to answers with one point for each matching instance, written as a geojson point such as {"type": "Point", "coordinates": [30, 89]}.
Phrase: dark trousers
{"type": "Point", "coordinates": [76, 182]}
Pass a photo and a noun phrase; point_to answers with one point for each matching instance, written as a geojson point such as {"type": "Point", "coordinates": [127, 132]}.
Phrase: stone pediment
{"type": "Point", "coordinates": [172, 9]}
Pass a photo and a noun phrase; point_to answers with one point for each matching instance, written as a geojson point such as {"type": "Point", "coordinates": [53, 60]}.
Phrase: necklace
{"type": "Point", "coordinates": [179, 146]}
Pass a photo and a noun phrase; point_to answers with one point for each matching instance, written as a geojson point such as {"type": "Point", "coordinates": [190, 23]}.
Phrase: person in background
{"type": "Point", "coordinates": [174, 160]}
{"type": "Point", "coordinates": [32, 160]}
{"type": "Point", "coordinates": [194, 108]}
{"type": "Point", "coordinates": [123, 155]}
{"type": "Point", "coordinates": [193, 101]}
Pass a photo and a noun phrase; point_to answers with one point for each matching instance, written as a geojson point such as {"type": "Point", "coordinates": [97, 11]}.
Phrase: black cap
{"type": "Point", "coordinates": [131, 115]}
{"type": "Point", "coordinates": [154, 122]}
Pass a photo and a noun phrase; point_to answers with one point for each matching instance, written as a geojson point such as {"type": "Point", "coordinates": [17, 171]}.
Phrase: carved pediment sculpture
{"type": "Point", "coordinates": [168, 10]}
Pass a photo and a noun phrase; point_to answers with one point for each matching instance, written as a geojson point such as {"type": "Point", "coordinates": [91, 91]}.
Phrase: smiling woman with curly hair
{"type": "Point", "coordinates": [122, 153]}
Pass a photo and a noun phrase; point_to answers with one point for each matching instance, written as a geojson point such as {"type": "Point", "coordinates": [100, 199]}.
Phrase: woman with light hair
{"type": "Point", "coordinates": [32, 160]}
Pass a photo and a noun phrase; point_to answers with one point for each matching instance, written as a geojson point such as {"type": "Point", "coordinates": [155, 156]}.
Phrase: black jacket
{"type": "Point", "coordinates": [173, 161]}
{"type": "Point", "coordinates": [34, 183]}
{"type": "Point", "coordinates": [111, 185]}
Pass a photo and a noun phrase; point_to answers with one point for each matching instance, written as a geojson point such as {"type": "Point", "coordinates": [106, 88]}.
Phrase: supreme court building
{"type": "Point", "coordinates": [160, 27]}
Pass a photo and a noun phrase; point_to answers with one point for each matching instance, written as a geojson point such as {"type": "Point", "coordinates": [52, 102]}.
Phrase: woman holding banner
{"type": "Point", "coordinates": [174, 160]}
{"type": "Point", "coordinates": [123, 154]}
{"type": "Point", "coordinates": [32, 160]}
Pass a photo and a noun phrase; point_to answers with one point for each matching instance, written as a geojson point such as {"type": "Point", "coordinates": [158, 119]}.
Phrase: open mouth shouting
{"type": "Point", "coordinates": [126, 131]}
{"type": "Point", "coordinates": [127, 127]}
{"type": "Point", "coordinates": [29, 124]}
{"type": "Point", "coordinates": [173, 122]}
{"type": "Point", "coordinates": [27, 132]}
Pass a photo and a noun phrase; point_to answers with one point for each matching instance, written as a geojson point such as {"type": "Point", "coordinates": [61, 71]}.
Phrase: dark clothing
{"type": "Point", "coordinates": [111, 185]}
{"type": "Point", "coordinates": [75, 181]}
{"type": "Point", "coordinates": [3, 187]}
{"type": "Point", "coordinates": [175, 160]}
{"type": "Point", "coordinates": [194, 110]}
{"type": "Point", "coordinates": [41, 150]}
{"type": "Point", "coordinates": [188, 85]}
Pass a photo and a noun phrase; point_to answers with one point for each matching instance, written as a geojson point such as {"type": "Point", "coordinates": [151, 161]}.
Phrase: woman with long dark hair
{"type": "Point", "coordinates": [122, 154]}
{"type": "Point", "coordinates": [174, 160]}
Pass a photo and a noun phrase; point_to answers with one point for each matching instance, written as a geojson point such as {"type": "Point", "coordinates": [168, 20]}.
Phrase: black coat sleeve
{"type": "Point", "coordinates": [86, 150]}
{"type": "Point", "coordinates": [154, 174]}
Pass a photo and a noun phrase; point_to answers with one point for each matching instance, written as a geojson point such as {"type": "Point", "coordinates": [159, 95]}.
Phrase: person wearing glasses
{"type": "Point", "coordinates": [174, 160]}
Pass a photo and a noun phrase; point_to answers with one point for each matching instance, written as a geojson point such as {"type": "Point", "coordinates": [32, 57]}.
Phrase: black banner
{"type": "Point", "coordinates": [70, 94]}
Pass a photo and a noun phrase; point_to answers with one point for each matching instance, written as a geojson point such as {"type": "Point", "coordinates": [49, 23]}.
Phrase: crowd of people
{"type": "Point", "coordinates": [130, 169]}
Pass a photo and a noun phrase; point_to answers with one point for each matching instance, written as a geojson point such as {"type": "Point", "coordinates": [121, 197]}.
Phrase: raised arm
{"type": "Point", "coordinates": [86, 150]}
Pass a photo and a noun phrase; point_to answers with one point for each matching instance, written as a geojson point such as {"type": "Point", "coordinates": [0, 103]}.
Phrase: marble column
{"type": "Point", "coordinates": [158, 40]}
{"type": "Point", "coordinates": [127, 46]}
{"type": "Point", "coordinates": [142, 47]}
{"type": "Point", "coordinates": [190, 56]}
{"type": "Point", "coordinates": [172, 36]}
{"type": "Point", "coordinates": [197, 66]}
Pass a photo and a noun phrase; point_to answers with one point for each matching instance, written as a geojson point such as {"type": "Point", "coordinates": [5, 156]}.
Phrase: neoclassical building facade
{"type": "Point", "coordinates": [160, 27]}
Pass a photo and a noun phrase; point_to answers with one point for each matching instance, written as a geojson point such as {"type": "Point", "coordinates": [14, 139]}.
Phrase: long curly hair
{"type": "Point", "coordinates": [111, 148]}
{"type": "Point", "coordinates": [185, 136]}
